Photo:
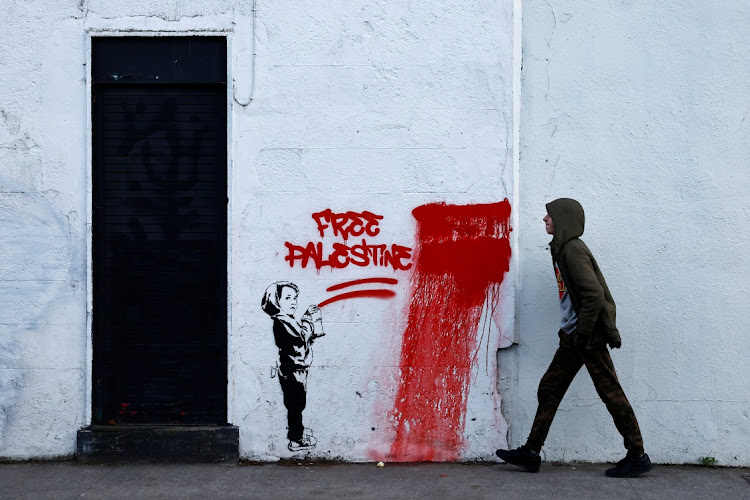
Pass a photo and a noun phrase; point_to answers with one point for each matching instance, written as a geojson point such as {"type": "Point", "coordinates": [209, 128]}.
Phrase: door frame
{"type": "Point", "coordinates": [90, 34]}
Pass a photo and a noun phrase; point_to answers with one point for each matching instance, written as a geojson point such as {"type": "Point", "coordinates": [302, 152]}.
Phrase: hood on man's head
{"type": "Point", "coordinates": [568, 219]}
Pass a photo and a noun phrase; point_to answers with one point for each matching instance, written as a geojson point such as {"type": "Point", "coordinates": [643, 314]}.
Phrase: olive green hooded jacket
{"type": "Point", "coordinates": [588, 291]}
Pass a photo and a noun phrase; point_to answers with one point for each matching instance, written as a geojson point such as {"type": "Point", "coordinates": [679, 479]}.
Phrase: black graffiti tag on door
{"type": "Point", "coordinates": [159, 231]}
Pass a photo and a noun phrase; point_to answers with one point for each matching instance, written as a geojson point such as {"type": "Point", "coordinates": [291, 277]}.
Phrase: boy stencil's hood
{"type": "Point", "coordinates": [568, 219]}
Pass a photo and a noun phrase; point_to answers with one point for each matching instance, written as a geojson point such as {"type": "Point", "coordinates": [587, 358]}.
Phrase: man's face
{"type": "Point", "coordinates": [548, 224]}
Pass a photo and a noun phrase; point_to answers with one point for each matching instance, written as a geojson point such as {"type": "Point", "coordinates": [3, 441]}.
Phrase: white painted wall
{"type": "Point", "coordinates": [42, 221]}
{"type": "Point", "coordinates": [350, 106]}
{"type": "Point", "coordinates": [638, 110]}
{"type": "Point", "coordinates": [378, 106]}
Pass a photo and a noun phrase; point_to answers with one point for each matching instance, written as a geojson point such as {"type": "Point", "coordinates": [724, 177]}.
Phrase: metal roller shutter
{"type": "Point", "coordinates": [159, 230]}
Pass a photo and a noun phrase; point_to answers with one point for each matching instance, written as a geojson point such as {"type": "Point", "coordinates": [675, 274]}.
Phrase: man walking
{"type": "Point", "coordinates": [587, 328]}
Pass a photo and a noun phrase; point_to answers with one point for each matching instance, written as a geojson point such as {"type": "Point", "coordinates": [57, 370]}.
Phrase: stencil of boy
{"type": "Point", "coordinates": [294, 340]}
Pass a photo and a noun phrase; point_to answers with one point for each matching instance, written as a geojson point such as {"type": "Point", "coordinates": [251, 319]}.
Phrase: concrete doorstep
{"type": "Point", "coordinates": [304, 479]}
{"type": "Point", "coordinates": [138, 443]}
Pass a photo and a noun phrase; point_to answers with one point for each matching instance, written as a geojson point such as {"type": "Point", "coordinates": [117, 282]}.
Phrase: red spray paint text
{"type": "Point", "coordinates": [341, 255]}
{"type": "Point", "coordinates": [463, 252]}
{"type": "Point", "coordinates": [348, 223]}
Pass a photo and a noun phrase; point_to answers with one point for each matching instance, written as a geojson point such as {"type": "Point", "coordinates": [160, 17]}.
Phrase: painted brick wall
{"type": "Point", "coordinates": [379, 107]}
{"type": "Point", "coordinates": [639, 110]}
{"type": "Point", "coordinates": [364, 107]}
{"type": "Point", "coordinates": [43, 214]}
{"type": "Point", "coordinates": [636, 110]}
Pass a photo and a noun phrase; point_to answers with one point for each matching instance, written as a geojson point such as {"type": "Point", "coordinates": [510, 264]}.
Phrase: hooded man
{"type": "Point", "coordinates": [587, 327]}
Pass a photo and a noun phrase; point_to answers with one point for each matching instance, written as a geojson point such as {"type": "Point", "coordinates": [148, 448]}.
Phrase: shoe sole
{"type": "Point", "coordinates": [630, 474]}
{"type": "Point", "coordinates": [532, 469]}
{"type": "Point", "coordinates": [302, 448]}
{"type": "Point", "coordinates": [527, 467]}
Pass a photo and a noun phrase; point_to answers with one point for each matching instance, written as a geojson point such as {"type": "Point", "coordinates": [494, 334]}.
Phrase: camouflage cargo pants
{"type": "Point", "coordinates": [565, 365]}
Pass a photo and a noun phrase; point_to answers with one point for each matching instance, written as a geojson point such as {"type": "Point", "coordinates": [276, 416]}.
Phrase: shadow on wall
{"type": "Point", "coordinates": [38, 262]}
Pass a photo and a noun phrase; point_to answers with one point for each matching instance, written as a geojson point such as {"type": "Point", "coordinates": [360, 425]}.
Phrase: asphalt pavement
{"type": "Point", "coordinates": [301, 479]}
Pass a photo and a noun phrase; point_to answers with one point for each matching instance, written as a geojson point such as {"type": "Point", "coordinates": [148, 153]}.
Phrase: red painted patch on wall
{"type": "Point", "coordinates": [462, 252]}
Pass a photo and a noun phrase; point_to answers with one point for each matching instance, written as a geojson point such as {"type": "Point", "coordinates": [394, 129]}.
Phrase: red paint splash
{"type": "Point", "coordinates": [462, 253]}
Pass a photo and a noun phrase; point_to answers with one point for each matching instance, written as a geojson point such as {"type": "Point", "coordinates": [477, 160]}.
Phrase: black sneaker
{"type": "Point", "coordinates": [524, 458]}
{"type": "Point", "coordinates": [631, 466]}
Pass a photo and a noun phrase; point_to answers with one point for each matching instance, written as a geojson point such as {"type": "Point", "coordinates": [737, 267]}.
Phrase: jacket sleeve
{"type": "Point", "coordinates": [589, 293]}
{"type": "Point", "coordinates": [307, 328]}
{"type": "Point", "coordinates": [290, 333]}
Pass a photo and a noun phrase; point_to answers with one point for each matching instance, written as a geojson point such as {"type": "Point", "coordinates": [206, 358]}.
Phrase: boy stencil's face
{"type": "Point", "coordinates": [288, 300]}
{"type": "Point", "coordinates": [548, 224]}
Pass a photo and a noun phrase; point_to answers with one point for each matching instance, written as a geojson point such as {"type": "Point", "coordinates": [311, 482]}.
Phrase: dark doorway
{"type": "Point", "coordinates": [159, 130]}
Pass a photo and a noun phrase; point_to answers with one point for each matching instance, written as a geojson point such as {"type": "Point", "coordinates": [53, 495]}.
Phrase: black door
{"type": "Point", "coordinates": [159, 130]}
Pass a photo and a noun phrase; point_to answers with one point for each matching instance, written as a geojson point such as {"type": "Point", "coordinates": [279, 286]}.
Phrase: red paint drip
{"type": "Point", "coordinates": [462, 252]}
{"type": "Point", "coordinates": [375, 294]}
